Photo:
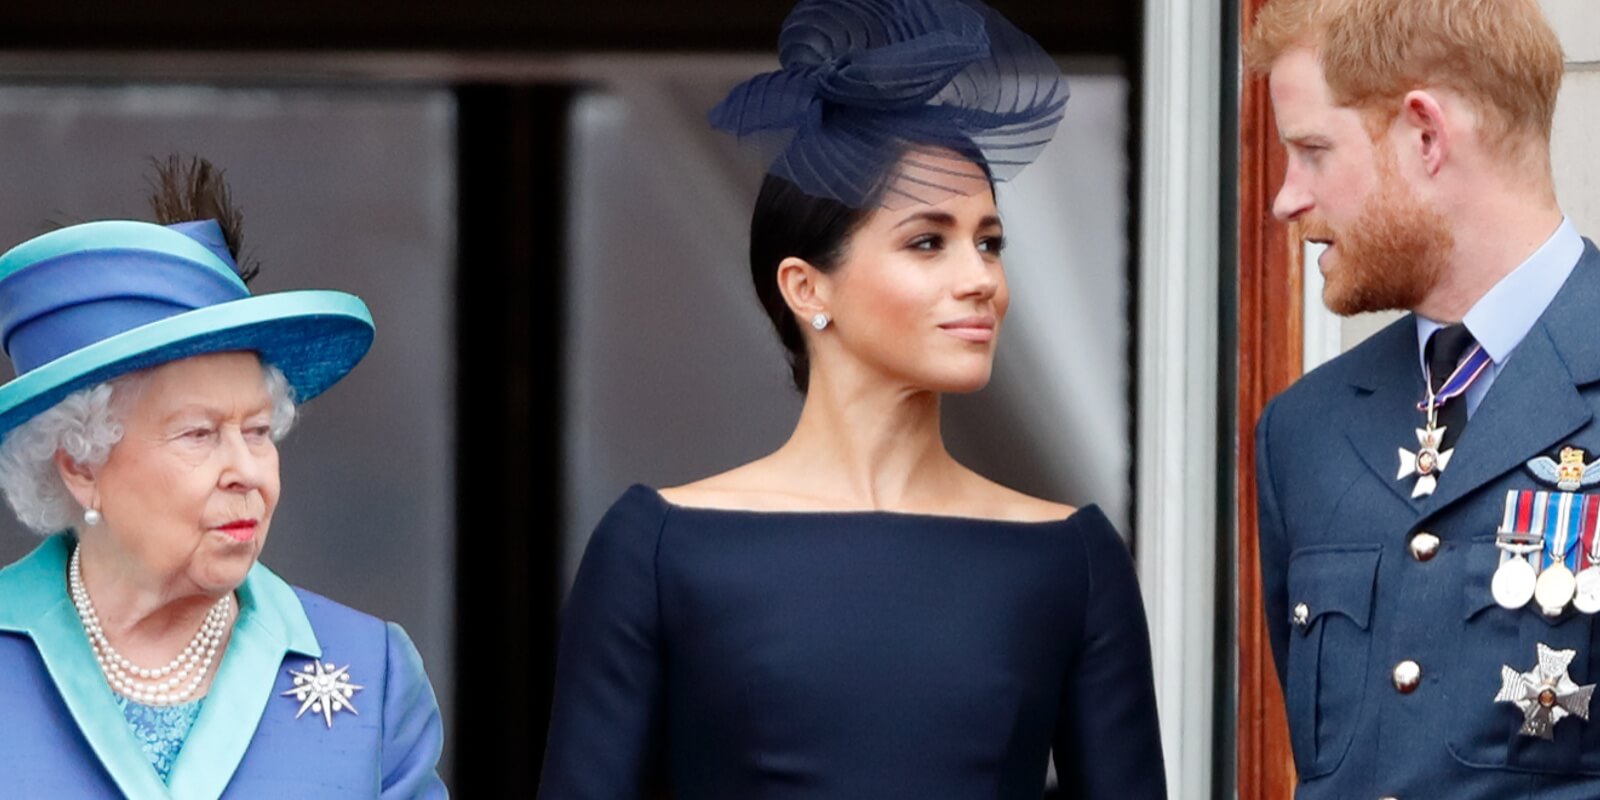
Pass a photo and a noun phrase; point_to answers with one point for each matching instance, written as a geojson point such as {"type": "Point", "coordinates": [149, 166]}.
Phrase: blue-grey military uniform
{"type": "Point", "coordinates": [1388, 643]}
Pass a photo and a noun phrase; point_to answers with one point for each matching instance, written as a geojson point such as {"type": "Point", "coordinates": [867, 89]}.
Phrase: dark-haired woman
{"type": "Point", "coordinates": [858, 615]}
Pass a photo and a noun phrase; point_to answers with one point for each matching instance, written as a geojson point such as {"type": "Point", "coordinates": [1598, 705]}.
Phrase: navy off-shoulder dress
{"type": "Point", "coordinates": [712, 654]}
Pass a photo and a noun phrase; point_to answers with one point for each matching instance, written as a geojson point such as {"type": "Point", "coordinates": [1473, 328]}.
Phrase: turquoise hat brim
{"type": "Point", "coordinates": [314, 337]}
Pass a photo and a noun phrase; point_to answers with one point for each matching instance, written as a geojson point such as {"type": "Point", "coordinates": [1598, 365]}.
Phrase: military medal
{"type": "Point", "coordinates": [1514, 583]}
{"type": "Point", "coordinates": [1427, 462]}
{"type": "Point", "coordinates": [1573, 516]}
{"type": "Point", "coordinates": [1545, 694]}
{"type": "Point", "coordinates": [1587, 584]}
{"type": "Point", "coordinates": [1556, 583]}
{"type": "Point", "coordinates": [1430, 460]}
{"type": "Point", "coordinates": [1555, 589]}
{"type": "Point", "coordinates": [1516, 578]}
{"type": "Point", "coordinates": [1586, 587]}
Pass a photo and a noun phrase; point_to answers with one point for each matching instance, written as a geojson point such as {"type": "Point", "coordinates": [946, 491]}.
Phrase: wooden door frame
{"type": "Point", "coordinates": [1270, 324]}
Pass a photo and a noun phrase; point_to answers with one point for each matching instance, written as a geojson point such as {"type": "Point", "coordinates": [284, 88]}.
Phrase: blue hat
{"type": "Point", "coordinates": [865, 81]}
{"type": "Point", "coordinates": [87, 303]}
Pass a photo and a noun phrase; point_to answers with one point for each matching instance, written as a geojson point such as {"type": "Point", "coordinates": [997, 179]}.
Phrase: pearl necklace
{"type": "Point", "coordinates": [162, 686]}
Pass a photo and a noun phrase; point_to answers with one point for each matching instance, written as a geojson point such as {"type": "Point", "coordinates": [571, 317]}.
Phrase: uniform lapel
{"type": "Point", "coordinates": [1532, 405]}
{"type": "Point", "coordinates": [1535, 401]}
{"type": "Point", "coordinates": [1387, 380]}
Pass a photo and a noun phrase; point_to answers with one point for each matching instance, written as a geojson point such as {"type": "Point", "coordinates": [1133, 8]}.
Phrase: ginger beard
{"type": "Point", "coordinates": [1392, 256]}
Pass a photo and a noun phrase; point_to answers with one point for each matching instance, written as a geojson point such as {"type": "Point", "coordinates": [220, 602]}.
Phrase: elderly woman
{"type": "Point", "coordinates": [146, 651]}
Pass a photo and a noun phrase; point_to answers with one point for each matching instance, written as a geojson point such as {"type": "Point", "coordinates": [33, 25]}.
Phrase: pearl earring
{"type": "Point", "coordinates": [820, 321]}
{"type": "Point", "coordinates": [91, 517]}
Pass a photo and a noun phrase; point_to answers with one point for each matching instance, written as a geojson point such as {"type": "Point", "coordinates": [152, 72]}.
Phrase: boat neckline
{"type": "Point", "coordinates": [869, 512]}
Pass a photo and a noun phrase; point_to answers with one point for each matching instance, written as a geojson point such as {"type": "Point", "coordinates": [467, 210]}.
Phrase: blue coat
{"type": "Point", "coordinates": [1336, 528]}
{"type": "Point", "coordinates": [67, 737]}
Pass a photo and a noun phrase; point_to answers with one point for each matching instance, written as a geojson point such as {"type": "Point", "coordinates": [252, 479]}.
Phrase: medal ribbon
{"type": "Point", "coordinates": [1518, 537]}
{"type": "Point", "coordinates": [1469, 370]}
{"type": "Point", "coordinates": [1542, 519]}
{"type": "Point", "coordinates": [1591, 514]}
{"type": "Point", "coordinates": [1523, 522]}
{"type": "Point", "coordinates": [1561, 529]}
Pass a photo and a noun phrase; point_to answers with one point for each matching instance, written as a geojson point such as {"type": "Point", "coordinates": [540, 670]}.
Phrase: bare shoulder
{"type": "Point", "coordinates": [708, 491]}
{"type": "Point", "coordinates": [1004, 502]}
{"type": "Point", "coordinates": [746, 488]}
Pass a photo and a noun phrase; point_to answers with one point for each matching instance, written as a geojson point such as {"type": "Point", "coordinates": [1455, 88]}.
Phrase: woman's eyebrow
{"type": "Point", "coordinates": [941, 218]}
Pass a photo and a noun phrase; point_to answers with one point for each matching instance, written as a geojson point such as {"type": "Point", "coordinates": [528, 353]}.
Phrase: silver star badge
{"type": "Point", "coordinates": [324, 690]}
{"type": "Point", "coordinates": [1546, 694]}
{"type": "Point", "coordinates": [1426, 463]}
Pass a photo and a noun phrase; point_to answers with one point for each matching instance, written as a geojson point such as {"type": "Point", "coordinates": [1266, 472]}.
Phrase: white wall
{"type": "Point", "coordinates": [1178, 362]}
{"type": "Point", "coordinates": [1575, 159]}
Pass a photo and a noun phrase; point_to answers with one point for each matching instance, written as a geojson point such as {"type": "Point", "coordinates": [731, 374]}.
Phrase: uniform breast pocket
{"type": "Point", "coordinates": [1330, 596]}
{"type": "Point", "coordinates": [1487, 734]}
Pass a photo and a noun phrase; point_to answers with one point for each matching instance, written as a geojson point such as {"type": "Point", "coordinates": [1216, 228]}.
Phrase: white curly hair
{"type": "Point", "coordinates": [84, 427]}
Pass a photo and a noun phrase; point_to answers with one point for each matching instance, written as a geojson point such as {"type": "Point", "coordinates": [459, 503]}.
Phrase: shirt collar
{"type": "Point", "coordinates": [1504, 315]}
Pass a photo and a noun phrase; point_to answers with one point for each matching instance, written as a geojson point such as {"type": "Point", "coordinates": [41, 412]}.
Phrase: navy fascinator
{"type": "Point", "coordinates": [869, 89]}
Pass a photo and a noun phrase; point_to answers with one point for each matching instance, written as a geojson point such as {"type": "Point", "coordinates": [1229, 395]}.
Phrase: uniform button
{"type": "Point", "coordinates": [1302, 615]}
{"type": "Point", "coordinates": [1423, 546]}
{"type": "Point", "coordinates": [1407, 674]}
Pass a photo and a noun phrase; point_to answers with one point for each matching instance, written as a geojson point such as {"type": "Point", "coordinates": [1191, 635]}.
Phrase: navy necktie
{"type": "Point", "coordinates": [1443, 352]}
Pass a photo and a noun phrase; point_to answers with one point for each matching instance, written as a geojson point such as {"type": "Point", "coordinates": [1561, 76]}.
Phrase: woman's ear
{"type": "Point", "coordinates": [805, 288]}
{"type": "Point", "coordinates": [78, 479]}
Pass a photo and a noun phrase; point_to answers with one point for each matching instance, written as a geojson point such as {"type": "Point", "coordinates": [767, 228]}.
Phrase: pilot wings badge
{"type": "Point", "coordinates": [1570, 474]}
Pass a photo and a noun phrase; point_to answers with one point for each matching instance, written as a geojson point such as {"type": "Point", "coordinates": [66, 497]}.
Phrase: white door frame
{"type": "Point", "coordinates": [1176, 469]}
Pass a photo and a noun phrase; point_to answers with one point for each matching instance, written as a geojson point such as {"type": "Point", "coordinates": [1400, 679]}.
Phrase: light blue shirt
{"type": "Point", "coordinates": [1503, 316]}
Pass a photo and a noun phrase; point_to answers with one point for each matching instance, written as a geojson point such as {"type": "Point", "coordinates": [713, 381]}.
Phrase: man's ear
{"type": "Point", "coordinates": [1428, 128]}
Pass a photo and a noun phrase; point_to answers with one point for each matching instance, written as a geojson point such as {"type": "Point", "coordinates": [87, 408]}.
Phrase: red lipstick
{"type": "Point", "coordinates": [239, 530]}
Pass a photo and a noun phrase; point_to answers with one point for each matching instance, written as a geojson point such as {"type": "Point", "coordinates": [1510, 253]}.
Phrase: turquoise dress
{"type": "Point", "coordinates": [161, 730]}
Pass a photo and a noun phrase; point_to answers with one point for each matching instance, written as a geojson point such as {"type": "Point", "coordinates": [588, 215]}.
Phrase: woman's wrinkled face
{"type": "Point", "coordinates": [920, 294]}
{"type": "Point", "coordinates": [189, 491]}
